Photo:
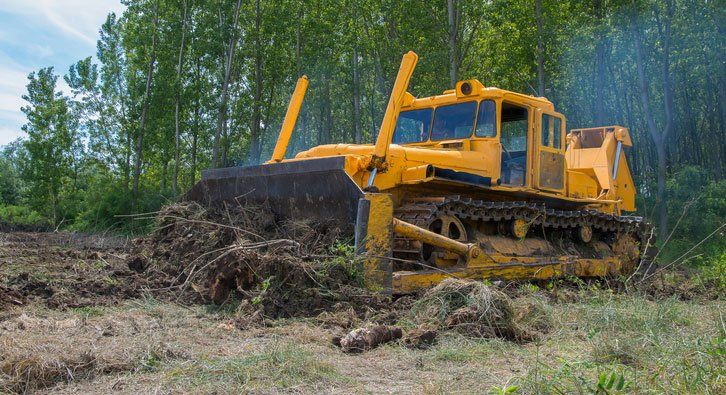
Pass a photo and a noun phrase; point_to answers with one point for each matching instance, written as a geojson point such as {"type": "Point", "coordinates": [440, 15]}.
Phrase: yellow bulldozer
{"type": "Point", "coordinates": [477, 182]}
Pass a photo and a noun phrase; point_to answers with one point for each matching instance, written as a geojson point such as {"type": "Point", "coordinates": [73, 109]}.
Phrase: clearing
{"type": "Point", "coordinates": [74, 318]}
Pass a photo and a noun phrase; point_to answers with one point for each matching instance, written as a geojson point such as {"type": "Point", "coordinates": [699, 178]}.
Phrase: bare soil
{"type": "Point", "coordinates": [65, 270]}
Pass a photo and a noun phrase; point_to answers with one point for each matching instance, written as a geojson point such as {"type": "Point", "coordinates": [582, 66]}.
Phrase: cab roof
{"type": "Point", "coordinates": [477, 91]}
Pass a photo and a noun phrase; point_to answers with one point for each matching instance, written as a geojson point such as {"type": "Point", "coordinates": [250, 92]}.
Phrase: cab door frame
{"type": "Point", "coordinates": [549, 162]}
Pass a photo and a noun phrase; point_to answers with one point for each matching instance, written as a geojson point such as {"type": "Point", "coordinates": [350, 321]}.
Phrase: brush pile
{"type": "Point", "coordinates": [475, 309]}
{"type": "Point", "coordinates": [283, 269]}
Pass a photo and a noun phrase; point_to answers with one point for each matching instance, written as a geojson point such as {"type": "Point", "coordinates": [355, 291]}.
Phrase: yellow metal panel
{"type": "Point", "coordinates": [509, 268]}
{"type": "Point", "coordinates": [378, 240]}
{"type": "Point", "coordinates": [388, 125]}
{"type": "Point", "coordinates": [288, 125]}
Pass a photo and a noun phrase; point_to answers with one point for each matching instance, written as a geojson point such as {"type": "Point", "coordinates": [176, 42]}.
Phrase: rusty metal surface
{"type": "Point", "coordinates": [512, 268]}
{"type": "Point", "coordinates": [314, 188]}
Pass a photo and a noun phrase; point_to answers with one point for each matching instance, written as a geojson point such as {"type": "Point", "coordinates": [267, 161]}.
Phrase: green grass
{"type": "Point", "coordinates": [668, 346]}
{"type": "Point", "coordinates": [88, 311]}
{"type": "Point", "coordinates": [282, 366]}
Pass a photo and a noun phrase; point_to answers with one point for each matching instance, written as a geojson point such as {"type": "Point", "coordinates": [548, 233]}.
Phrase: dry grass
{"type": "Point", "coordinates": [475, 309]}
{"type": "Point", "coordinates": [667, 346]}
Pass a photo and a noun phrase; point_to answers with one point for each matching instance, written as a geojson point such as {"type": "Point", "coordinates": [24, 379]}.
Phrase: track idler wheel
{"type": "Point", "coordinates": [517, 228]}
{"type": "Point", "coordinates": [584, 233]}
{"type": "Point", "coordinates": [626, 248]}
{"type": "Point", "coordinates": [448, 226]}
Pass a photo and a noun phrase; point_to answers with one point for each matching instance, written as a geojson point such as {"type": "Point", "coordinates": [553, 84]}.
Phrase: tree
{"type": "Point", "coordinates": [139, 148]}
{"type": "Point", "coordinates": [658, 135]}
{"type": "Point", "coordinates": [177, 100]}
{"type": "Point", "coordinates": [228, 57]}
{"type": "Point", "coordinates": [50, 140]}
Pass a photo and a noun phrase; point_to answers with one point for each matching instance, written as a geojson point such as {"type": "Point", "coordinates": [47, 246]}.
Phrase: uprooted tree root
{"type": "Point", "coordinates": [282, 268]}
{"type": "Point", "coordinates": [475, 309]}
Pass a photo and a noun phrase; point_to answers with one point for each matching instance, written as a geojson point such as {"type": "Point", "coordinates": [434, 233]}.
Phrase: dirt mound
{"type": "Point", "coordinates": [284, 269]}
{"type": "Point", "coordinates": [474, 309]}
{"type": "Point", "coordinates": [681, 283]}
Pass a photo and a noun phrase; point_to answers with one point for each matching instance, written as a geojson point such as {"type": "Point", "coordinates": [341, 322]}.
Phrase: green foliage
{"type": "Point", "coordinates": [76, 167]}
{"type": "Point", "coordinates": [22, 217]}
{"type": "Point", "coordinates": [9, 182]}
{"type": "Point", "coordinates": [713, 271]}
{"type": "Point", "coordinates": [264, 286]}
{"type": "Point", "coordinates": [504, 390]}
{"type": "Point", "coordinates": [51, 139]}
{"type": "Point", "coordinates": [343, 255]}
{"type": "Point", "coordinates": [696, 207]}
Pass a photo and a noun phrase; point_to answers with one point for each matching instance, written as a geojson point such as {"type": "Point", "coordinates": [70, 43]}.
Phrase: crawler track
{"type": "Point", "coordinates": [424, 211]}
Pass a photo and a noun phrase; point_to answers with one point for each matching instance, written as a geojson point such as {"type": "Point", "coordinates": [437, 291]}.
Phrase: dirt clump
{"type": "Point", "coordinates": [681, 283]}
{"type": "Point", "coordinates": [10, 297]}
{"type": "Point", "coordinates": [368, 338]}
{"type": "Point", "coordinates": [475, 309]}
{"type": "Point", "coordinates": [421, 337]}
{"type": "Point", "coordinates": [222, 254]}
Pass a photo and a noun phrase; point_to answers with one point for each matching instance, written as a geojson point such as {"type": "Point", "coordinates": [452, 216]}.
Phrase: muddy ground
{"type": "Point", "coordinates": [74, 318]}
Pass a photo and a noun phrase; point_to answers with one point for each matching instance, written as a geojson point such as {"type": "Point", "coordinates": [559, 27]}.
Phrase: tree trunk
{"type": "Point", "coordinates": [144, 111]}
{"type": "Point", "coordinates": [328, 113]}
{"type": "Point", "coordinates": [658, 137]}
{"type": "Point", "coordinates": [298, 64]}
{"type": "Point", "coordinates": [195, 136]}
{"type": "Point", "coordinates": [177, 132]}
{"type": "Point", "coordinates": [127, 167]}
{"type": "Point", "coordinates": [453, 28]}
{"type": "Point", "coordinates": [222, 118]}
{"type": "Point", "coordinates": [164, 172]}
{"type": "Point", "coordinates": [540, 50]}
{"type": "Point", "coordinates": [598, 77]}
{"type": "Point", "coordinates": [357, 130]}
{"type": "Point", "coordinates": [255, 144]}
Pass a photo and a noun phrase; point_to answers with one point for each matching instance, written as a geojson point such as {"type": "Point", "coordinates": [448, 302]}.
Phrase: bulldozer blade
{"type": "Point", "coordinates": [314, 188]}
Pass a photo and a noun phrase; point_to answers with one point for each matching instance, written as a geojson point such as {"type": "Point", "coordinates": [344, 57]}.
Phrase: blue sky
{"type": "Point", "coordinates": [40, 33]}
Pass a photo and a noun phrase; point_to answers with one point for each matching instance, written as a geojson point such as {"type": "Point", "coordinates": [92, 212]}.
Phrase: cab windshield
{"type": "Point", "coordinates": [455, 121]}
{"type": "Point", "coordinates": [412, 126]}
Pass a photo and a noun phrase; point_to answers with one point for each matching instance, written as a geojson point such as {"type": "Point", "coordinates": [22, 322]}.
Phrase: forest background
{"type": "Point", "coordinates": [178, 86]}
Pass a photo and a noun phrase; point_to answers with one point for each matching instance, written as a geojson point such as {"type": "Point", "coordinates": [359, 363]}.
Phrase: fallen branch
{"type": "Point", "coordinates": [685, 253]}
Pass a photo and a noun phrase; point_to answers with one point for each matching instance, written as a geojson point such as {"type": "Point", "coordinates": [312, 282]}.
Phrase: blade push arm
{"type": "Point", "coordinates": [385, 134]}
{"type": "Point", "coordinates": [288, 125]}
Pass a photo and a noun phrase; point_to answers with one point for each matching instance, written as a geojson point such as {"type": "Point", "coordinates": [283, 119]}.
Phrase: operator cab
{"type": "Point", "coordinates": [518, 123]}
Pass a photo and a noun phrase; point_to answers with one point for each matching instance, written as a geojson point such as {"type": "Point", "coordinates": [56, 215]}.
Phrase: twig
{"type": "Point", "coordinates": [686, 253]}
{"type": "Point", "coordinates": [645, 251]}
{"type": "Point", "coordinates": [136, 215]}
{"type": "Point", "coordinates": [675, 227]}
{"type": "Point", "coordinates": [199, 221]}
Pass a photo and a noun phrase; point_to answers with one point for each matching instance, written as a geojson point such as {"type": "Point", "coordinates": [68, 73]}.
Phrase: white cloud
{"type": "Point", "coordinates": [8, 135]}
{"type": "Point", "coordinates": [78, 18]}
{"type": "Point", "coordinates": [71, 24]}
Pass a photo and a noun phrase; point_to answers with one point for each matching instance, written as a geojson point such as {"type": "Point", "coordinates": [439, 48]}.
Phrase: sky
{"type": "Point", "coordinates": [41, 33]}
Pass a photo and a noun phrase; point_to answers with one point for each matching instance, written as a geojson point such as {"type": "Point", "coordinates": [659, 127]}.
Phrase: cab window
{"type": "Point", "coordinates": [412, 126]}
{"type": "Point", "coordinates": [551, 131]}
{"type": "Point", "coordinates": [486, 120]}
{"type": "Point", "coordinates": [454, 121]}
